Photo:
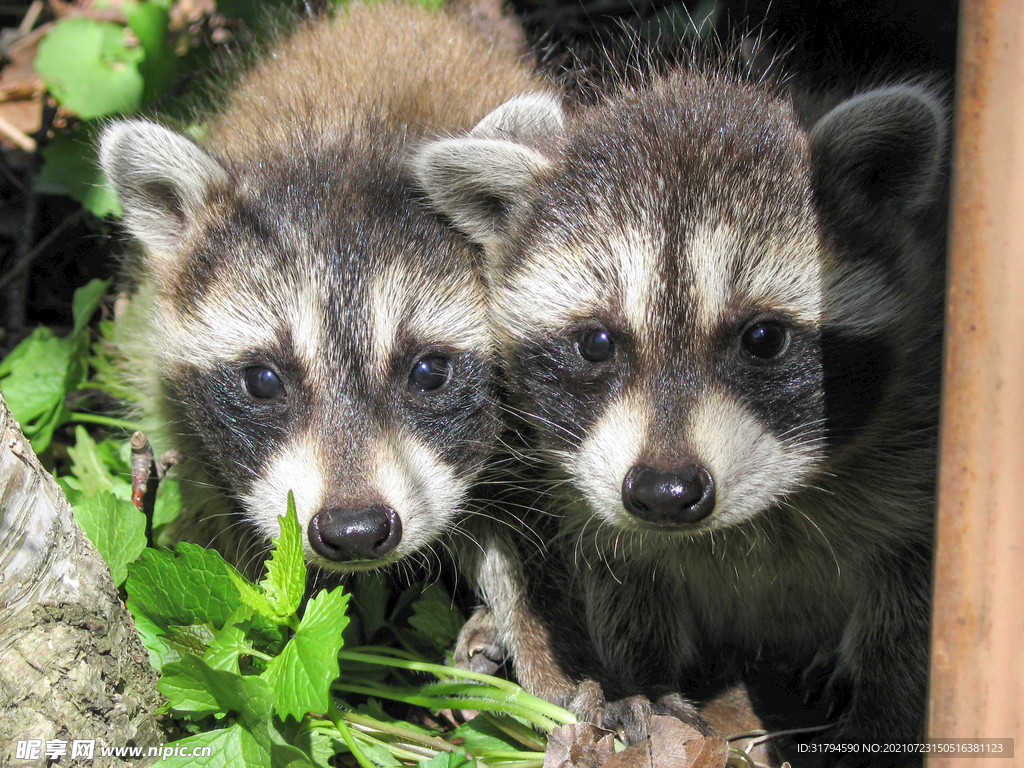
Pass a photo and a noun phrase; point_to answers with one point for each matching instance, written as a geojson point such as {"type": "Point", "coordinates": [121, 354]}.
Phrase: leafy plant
{"type": "Point", "coordinates": [259, 675]}
{"type": "Point", "coordinates": [39, 374]}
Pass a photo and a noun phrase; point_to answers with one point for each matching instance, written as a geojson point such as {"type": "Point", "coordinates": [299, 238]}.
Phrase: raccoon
{"type": "Point", "coordinates": [720, 320]}
{"type": "Point", "coordinates": [301, 322]}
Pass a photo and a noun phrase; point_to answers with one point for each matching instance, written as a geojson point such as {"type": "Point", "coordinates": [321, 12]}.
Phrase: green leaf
{"type": "Point", "coordinates": [149, 22]}
{"type": "Point", "coordinates": [95, 470]}
{"type": "Point", "coordinates": [224, 650]}
{"type": "Point", "coordinates": [436, 618]}
{"type": "Point", "coordinates": [86, 301]}
{"type": "Point", "coordinates": [302, 674]}
{"type": "Point", "coordinates": [32, 379]}
{"type": "Point", "coordinates": [228, 747]}
{"type": "Point", "coordinates": [167, 505]}
{"type": "Point", "coordinates": [188, 693]}
{"type": "Point", "coordinates": [285, 582]}
{"type": "Point", "coordinates": [152, 638]}
{"type": "Point", "coordinates": [194, 687]}
{"type": "Point", "coordinates": [115, 527]}
{"type": "Point", "coordinates": [190, 587]}
{"type": "Point", "coordinates": [252, 595]}
{"type": "Point", "coordinates": [89, 69]}
{"type": "Point", "coordinates": [38, 374]}
{"type": "Point", "coordinates": [480, 733]}
{"type": "Point", "coordinates": [457, 759]}
{"type": "Point", "coordinates": [72, 168]}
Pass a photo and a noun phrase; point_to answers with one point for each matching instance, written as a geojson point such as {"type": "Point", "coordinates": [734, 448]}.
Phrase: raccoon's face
{"type": "Point", "coordinates": [681, 324]}
{"type": "Point", "coordinates": [315, 334]}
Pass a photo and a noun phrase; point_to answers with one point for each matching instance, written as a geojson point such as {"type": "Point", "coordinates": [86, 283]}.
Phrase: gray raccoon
{"type": "Point", "coordinates": [301, 321]}
{"type": "Point", "coordinates": [721, 330]}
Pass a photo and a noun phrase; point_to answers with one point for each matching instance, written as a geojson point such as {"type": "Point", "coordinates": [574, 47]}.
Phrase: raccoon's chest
{"type": "Point", "coordinates": [661, 625]}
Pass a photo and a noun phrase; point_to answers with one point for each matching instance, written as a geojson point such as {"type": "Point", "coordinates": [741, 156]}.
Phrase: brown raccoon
{"type": "Point", "coordinates": [301, 321]}
{"type": "Point", "coordinates": [721, 326]}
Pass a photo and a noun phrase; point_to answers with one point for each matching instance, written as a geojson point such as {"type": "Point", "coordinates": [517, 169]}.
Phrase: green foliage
{"type": "Point", "coordinates": [71, 167]}
{"type": "Point", "coordinates": [115, 527]}
{"type": "Point", "coordinates": [90, 68]}
{"type": "Point", "coordinates": [265, 696]}
{"type": "Point", "coordinates": [39, 373]}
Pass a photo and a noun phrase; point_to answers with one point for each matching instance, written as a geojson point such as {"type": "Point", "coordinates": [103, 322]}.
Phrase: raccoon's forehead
{"type": "Point", "coordinates": [353, 293]}
{"type": "Point", "coordinates": [644, 218]}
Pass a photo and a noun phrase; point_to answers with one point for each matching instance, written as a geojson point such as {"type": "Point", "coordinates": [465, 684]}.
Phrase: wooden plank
{"type": "Point", "coordinates": [977, 690]}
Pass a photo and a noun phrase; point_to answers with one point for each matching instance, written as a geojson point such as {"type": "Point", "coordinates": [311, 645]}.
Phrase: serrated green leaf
{"type": "Point", "coordinates": [251, 595]}
{"type": "Point", "coordinates": [194, 687]}
{"type": "Point", "coordinates": [38, 374]}
{"type": "Point", "coordinates": [115, 527]}
{"type": "Point", "coordinates": [193, 683]}
{"type": "Point", "coordinates": [285, 582]}
{"type": "Point", "coordinates": [32, 379]}
{"type": "Point", "coordinates": [302, 673]}
{"type": "Point", "coordinates": [435, 617]}
{"type": "Point", "coordinates": [178, 589]}
{"type": "Point", "coordinates": [96, 470]}
{"type": "Point", "coordinates": [89, 69]}
{"type": "Point", "coordinates": [225, 648]}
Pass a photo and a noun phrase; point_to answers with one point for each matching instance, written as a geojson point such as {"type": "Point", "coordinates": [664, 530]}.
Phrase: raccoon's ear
{"type": "Point", "coordinates": [879, 154]}
{"type": "Point", "coordinates": [475, 180]}
{"type": "Point", "coordinates": [163, 180]}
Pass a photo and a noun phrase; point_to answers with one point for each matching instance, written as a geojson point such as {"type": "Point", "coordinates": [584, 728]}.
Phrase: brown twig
{"type": "Point", "coordinates": [142, 463]}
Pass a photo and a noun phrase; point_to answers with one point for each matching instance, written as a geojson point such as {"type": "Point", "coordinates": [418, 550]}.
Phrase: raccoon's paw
{"type": "Point", "coordinates": [478, 648]}
{"type": "Point", "coordinates": [630, 718]}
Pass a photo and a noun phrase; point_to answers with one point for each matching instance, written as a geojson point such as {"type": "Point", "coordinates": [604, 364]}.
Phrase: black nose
{"type": "Point", "coordinates": [355, 534]}
{"type": "Point", "coordinates": [669, 497]}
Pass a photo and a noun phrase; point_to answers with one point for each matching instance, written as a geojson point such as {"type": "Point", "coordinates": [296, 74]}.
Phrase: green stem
{"type": "Point", "coordinates": [538, 705]}
{"type": "Point", "coordinates": [521, 733]}
{"type": "Point", "coordinates": [438, 745]}
{"type": "Point", "coordinates": [350, 742]}
{"type": "Point", "coordinates": [95, 418]}
{"type": "Point", "coordinates": [511, 707]}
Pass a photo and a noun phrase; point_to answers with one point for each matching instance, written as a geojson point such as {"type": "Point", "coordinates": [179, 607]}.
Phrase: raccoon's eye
{"type": "Point", "coordinates": [595, 344]}
{"type": "Point", "coordinates": [765, 340]}
{"type": "Point", "coordinates": [429, 374]}
{"type": "Point", "coordinates": [262, 383]}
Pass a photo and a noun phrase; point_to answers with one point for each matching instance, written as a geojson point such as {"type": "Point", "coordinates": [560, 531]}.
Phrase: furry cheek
{"type": "Point", "coordinates": [752, 468]}
{"type": "Point", "coordinates": [297, 468]}
{"type": "Point", "coordinates": [609, 452]}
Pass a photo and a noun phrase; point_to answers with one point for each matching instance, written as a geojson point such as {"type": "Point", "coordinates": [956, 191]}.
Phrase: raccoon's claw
{"type": "Point", "coordinates": [478, 648]}
{"type": "Point", "coordinates": [630, 718]}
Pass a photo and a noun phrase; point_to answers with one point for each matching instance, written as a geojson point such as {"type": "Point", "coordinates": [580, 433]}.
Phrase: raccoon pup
{"type": "Point", "coordinates": [301, 322]}
{"type": "Point", "coordinates": [721, 327]}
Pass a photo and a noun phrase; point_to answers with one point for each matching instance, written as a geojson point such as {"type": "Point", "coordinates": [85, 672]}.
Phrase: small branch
{"type": "Point", "coordinates": [142, 463]}
{"type": "Point", "coordinates": [17, 136]}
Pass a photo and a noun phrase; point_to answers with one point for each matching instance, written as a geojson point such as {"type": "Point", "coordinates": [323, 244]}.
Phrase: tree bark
{"type": "Point", "coordinates": [72, 666]}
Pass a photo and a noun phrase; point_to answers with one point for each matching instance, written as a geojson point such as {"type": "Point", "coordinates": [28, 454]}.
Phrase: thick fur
{"type": "Point", "coordinates": [677, 217]}
{"type": "Point", "coordinates": [292, 240]}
